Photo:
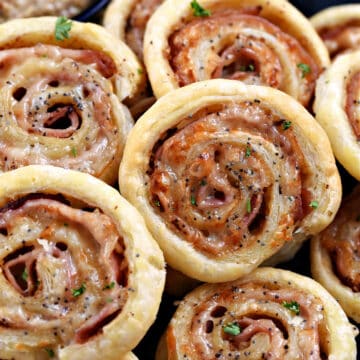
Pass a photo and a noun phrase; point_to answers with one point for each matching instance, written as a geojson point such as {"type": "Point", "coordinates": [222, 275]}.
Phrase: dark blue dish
{"type": "Point", "coordinates": [92, 10]}
{"type": "Point", "coordinates": [310, 8]}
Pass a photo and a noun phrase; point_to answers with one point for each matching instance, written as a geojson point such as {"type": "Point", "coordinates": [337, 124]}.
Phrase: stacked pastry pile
{"type": "Point", "coordinates": [227, 167]}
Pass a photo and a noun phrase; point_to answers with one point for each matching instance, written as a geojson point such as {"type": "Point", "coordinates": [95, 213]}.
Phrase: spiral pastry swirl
{"type": "Point", "coordinates": [60, 101]}
{"type": "Point", "coordinates": [334, 256]}
{"type": "Point", "coordinates": [269, 314]}
{"type": "Point", "coordinates": [337, 108]}
{"type": "Point", "coordinates": [258, 42]}
{"type": "Point", "coordinates": [230, 177]}
{"type": "Point", "coordinates": [73, 274]}
{"type": "Point", "coordinates": [127, 20]}
{"type": "Point", "coordinates": [339, 27]}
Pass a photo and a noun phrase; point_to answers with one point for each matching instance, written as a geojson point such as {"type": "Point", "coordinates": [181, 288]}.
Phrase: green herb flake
{"type": "Point", "coordinates": [50, 352]}
{"type": "Point", "coordinates": [62, 28]}
{"type": "Point", "coordinates": [140, 71]}
{"type": "Point", "coordinates": [203, 182]}
{"type": "Point", "coordinates": [157, 203]}
{"type": "Point", "coordinates": [73, 152]}
{"type": "Point", "coordinates": [293, 306]}
{"type": "Point", "coordinates": [248, 206]}
{"type": "Point", "coordinates": [286, 124]}
{"type": "Point", "coordinates": [24, 275]}
{"type": "Point", "coordinates": [79, 291]}
{"type": "Point", "coordinates": [198, 10]}
{"type": "Point", "coordinates": [193, 200]}
{"type": "Point", "coordinates": [247, 68]}
{"type": "Point", "coordinates": [109, 286]}
{"type": "Point", "coordinates": [247, 151]}
{"type": "Point", "coordinates": [109, 300]}
{"type": "Point", "coordinates": [232, 329]}
{"type": "Point", "coordinates": [314, 204]}
{"type": "Point", "coordinates": [305, 69]}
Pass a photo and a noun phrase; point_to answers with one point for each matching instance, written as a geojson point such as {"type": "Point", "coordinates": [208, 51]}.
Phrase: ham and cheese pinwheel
{"type": "Point", "coordinates": [127, 20]}
{"type": "Point", "coordinates": [60, 100]}
{"type": "Point", "coordinates": [226, 174]}
{"type": "Point", "coordinates": [339, 27]}
{"type": "Point", "coordinates": [334, 256]}
{"type": "Point", "coordinates": [80, 275]}
{"type": "Point", "coordinates": [256, 41]}
{"type": "Point", "coordinates": [337, 109]}
{"type": "Point", "coordinates": [269, 314]}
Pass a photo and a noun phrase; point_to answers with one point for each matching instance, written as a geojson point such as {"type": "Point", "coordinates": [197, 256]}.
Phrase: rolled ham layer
{"type": "Point", "coordinates": [64, 267]}
{"type": "Point", "coordinates": [59, 109]}
{"type": "Point", "coordinates": [269, 314]}
{"type": "Point", "coordinates": [339, 27]}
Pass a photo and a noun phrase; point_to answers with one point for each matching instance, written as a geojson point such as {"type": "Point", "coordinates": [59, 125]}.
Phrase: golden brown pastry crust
{"type": "Point", "coordinates": [334, 261]}
{"type": "Point", "coordinates": [82, 80]}
{"type": "Point", "coordinates": [179, 108]}
{"type": "Point", "coordinates": [335, 102]}
{"type": "Point", "coordinates": [127, 20]}
{"type": "Point", "coordinates": [144, 267]}
{"type": "Point", "coordinates": [257, 303]}
{"type": "Point", "coordinates": [116, 16]}
{"type": "Point", "coordinates": [170, 15]}
{"type": "Point", "coordinates": [339, 27]}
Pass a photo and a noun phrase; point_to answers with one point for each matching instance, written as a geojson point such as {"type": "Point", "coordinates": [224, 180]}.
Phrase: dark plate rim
{"type": "Point", "coordinates": [91, 10]}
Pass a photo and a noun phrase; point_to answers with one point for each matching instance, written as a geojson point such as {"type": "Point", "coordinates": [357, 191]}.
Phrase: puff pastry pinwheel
{"type": "Point", "coordinates": [226, 174]}
{"type": "Point", "coordinates": [127, 20]}
{"type": "Point", "coordinates": [269, 314]}
{"type": "Point", "coordinates": [339, 27]}
{"type": "Point", "coordinates": [337, 109]}
{"type": "Point", "coordinates": [334, 256]}
{"type": "Point", "coordinates": [80, 275]}
{"type": "Point", "coordinates": [256, 41]}
{"type": "Point", "coordinates": [60, 100]}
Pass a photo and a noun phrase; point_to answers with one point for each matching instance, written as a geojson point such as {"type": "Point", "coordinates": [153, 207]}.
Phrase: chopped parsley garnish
{"type": "Point", "coordinates": [24, 275]}
{"type": "Point", "coordinates": [109, 286]}
{"type": "Point", "coordinates": [292, 306]}
{"type": "Point", "coordinates": [73, 152]}
{"type": "Point", "coordinates": [232, 329]}
{"type": "Point", "coordinates": [305, 69]}
{"type": "Point", "coordinates": [198, 10]}
{"type": "Point", "coordinates": [193, 200]}
{"type": "Point", "coordinates": [109, 300]}
{"type": "Point", "coordinates": [247, 68]}
{"type": "Point", "coordinates": [314, 204]}
{"type": "Point", "coordinates": [50, 352]}
{"type": "Point", "coordinates": [247, 151]}
{"type": "Point", "coordinates": [140, 71]}
{"type": "Point", "coordinates": [203, 182]}
{"type": "Point", "coordinates": [286, 124]}
{"type": "Point", "coordinates": [157, 203]}
{"type": "Point", "coordinates": [62, 28]}
{"type": "Point", "coordinates": [248, 206]}
{"type": "Point", "coordinates": [79, 291]}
